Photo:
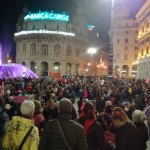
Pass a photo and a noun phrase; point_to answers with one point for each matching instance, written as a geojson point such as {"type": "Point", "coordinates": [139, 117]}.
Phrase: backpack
{"type": "Point", "coordinates": [3, 122]}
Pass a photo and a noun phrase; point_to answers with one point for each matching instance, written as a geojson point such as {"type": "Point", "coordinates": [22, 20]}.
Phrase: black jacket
{"type": "Point", "coordinates": [51, 138]}
{"type": "Point", "coordinates": [126, 137]}
{"type": "Point", "coordinates": [142, 132]}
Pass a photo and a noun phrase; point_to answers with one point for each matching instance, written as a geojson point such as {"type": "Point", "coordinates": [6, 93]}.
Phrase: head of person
{"type": "Point", "coordinates": [50, 104]}
{"type": "Point", "coordinates": [27, 108]}
{"type": "Point", "coordinates": [65, 106]}
{"type": "Point", "coordinates": [120, 117]}
{"type": "Point", "coordinates": [38, 107]}
{"type": "Point", "coordinates": [89, 110]}
{"type": "Point", "coordinates": [138, 116]}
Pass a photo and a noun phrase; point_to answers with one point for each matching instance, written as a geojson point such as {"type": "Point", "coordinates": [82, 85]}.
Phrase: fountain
{"type": "Point", "coordinates": [13, 70]}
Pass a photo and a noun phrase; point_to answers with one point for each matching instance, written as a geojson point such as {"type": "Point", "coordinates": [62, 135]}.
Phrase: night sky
{"type": "Point", "coordinates": [97, 13]}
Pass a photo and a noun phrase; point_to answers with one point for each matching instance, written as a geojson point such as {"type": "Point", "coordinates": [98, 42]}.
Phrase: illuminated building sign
{"type": "Point", "coordinates": [90, 27]}
{"type": "Point", "coordinates": [47, 16]}
{"type": "Point", "coordinates": [44, 32]}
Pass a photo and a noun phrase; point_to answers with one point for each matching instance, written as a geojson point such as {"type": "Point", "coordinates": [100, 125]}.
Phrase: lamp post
{"type": "Point", "coordinates": [110, 53]}
{"type": "Point", "coordinates": [92, 51]}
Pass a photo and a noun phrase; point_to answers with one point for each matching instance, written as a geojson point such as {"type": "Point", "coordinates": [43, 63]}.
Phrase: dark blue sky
{"type": "Point", "coordinates": [96, 11]}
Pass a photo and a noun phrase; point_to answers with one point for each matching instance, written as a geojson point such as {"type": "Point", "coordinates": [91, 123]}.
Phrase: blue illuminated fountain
{"type": "Point", "coordinates": [13, 70]}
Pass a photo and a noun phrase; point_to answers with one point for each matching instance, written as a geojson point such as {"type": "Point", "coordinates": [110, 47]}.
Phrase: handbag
{"type": "Point", "coordinates": [63, 136]}
{"type": "Point", "coordinates": [25, 138]}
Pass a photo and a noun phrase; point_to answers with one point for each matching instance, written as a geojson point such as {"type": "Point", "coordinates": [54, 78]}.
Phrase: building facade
{"type": "Point", "coordinates": [124, 39]}
{"type": "Point", "coordinates": [143, 17]}
{"type": "Point", "coordinates": [50, 43]}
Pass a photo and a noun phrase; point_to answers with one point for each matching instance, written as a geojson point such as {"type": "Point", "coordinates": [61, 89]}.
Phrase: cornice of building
{"type": "Point", "coordinates": [143, 9]}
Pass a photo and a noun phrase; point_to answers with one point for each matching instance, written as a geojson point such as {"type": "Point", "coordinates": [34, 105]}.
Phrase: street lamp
{"type": "Point", "coordinates": [110, 55]}
{"type": "Point", "coordinates": [92, 51]}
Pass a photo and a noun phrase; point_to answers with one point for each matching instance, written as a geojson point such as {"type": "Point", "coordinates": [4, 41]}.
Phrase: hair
{"type": "Point", "coordinates": [138, 116]}
{"type": "Point", "coordinates": [38, 107]}
{"type": "Point", "coordinates": [89, 110]}
{"type": "Point", "coordinates": [65, 106]}
{"type": "Point", "coordinates": [120, 114]}
{"type": "Point", "coordinates": [27, 108]}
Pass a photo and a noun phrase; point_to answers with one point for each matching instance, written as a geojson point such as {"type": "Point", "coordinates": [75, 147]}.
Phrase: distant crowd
{"type": "Point", "coordinates": [74, 113]}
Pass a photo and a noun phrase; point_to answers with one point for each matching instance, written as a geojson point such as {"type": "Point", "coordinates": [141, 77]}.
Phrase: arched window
{"type": "Point", "coordinates": [57, 50]}
{"type": "Point", "coordinates": [69, 51]}
{"type": "Point", "coordinates": [33, 49]}
{"type": "Point", "coordinates": [44, 49]}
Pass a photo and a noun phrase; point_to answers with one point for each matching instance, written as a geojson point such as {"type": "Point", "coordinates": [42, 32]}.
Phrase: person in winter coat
{"type": "Point", "coordinates": [19, 126]}
{"type": "Point", "coordinates": [126, 135]}
{"type": "Point", "coordinates": [52, 138]}
{"type": "Point", "coordinates": [138, 118]}
{"type": "Point", "coordinates": [95, 137]}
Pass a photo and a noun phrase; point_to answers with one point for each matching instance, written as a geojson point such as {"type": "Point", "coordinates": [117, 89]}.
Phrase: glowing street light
{"type": "Point", "coordinates": [92, 51]}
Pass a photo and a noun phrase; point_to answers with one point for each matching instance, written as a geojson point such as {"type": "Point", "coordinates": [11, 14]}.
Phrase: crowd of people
{"type": "Point", "coordinates": [111, 114]}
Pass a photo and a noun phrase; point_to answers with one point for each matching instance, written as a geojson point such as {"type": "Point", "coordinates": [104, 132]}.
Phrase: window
{"type": "Point", "coordinates": [117, 56]}
{"type": "Point", "coordinates": [126, 32]}
{"type": "Point", "coordinates": [142, 52]}
{"type": "Point", "coordinates": [126, 48]}
{"type": "Point", "coordinates": [45, 26]}
{"type": "Point", "coordinates": [44, 49]}
{"type": "Point", "coordinates": [33, 49]}
{"type": "Point", "coordinates": [127, 24]}
{"type": "Point", "coordinates": [118, 41]}
{"type": "Point", "coordinates": [135, 57]}
{"type": "Point", "coordinates": [147, 50]}
{"type": "Point", "coordinates": [57, 27]}
{"type": "Point", "coordinates": [126, 40]}
{"type": "Point", "coordinates": [142, 29]}
{"type": "Point", "coordinates": [24, 49]}
{"type": "Point", "coordinates": [69, 51]}
{"type": "Point", "coordinates": [148, 25]}
{"type": "Point", "coordinates": [125, 57]}
{"type": "Point", "coordinates": [33, 27]}
{"type": "Point", "coordinates": [57, 50]}
{"type": "Point", "coordinates": [136, 48]}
